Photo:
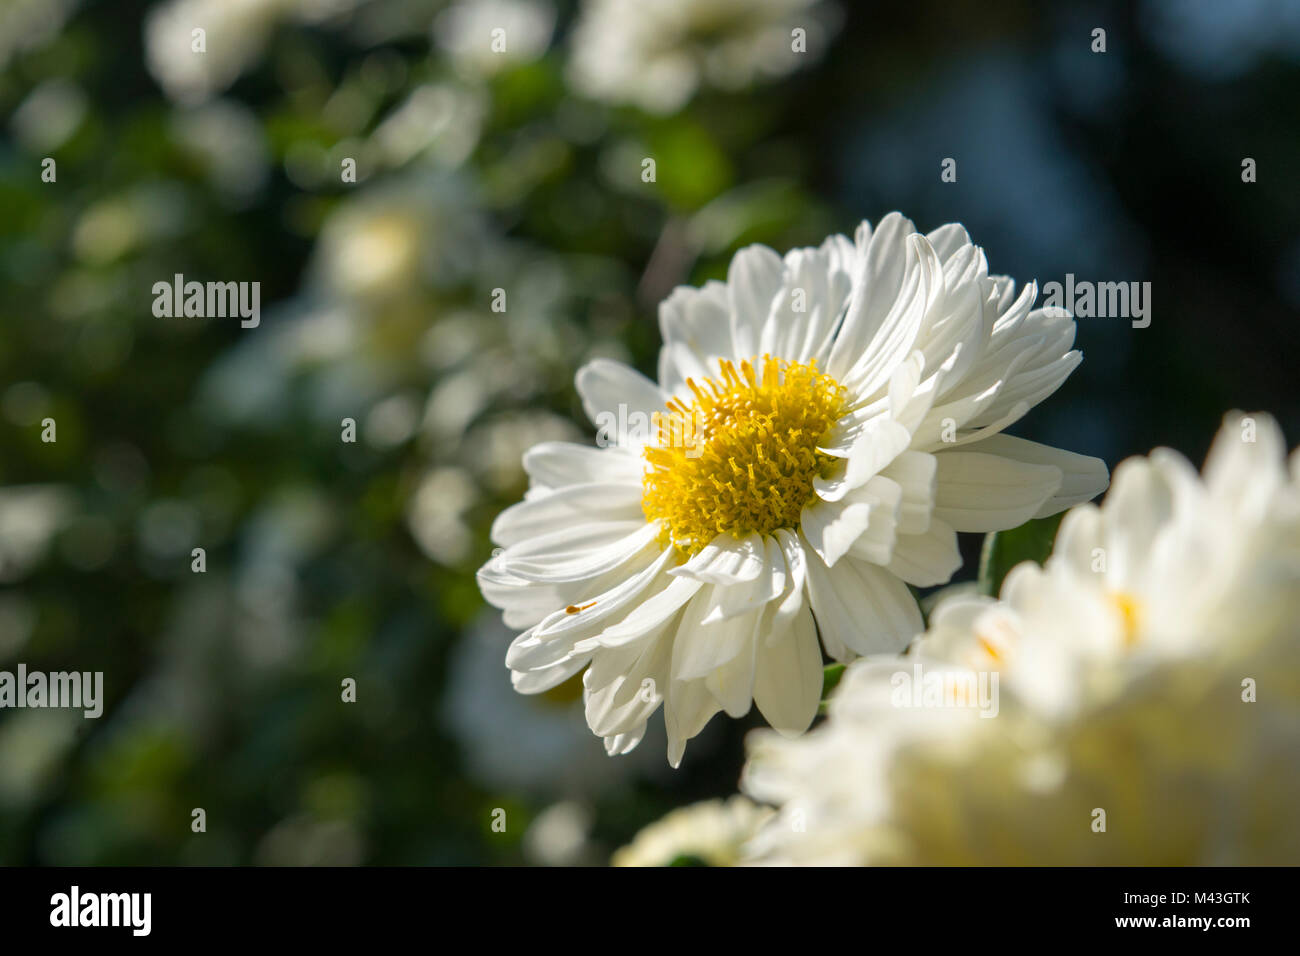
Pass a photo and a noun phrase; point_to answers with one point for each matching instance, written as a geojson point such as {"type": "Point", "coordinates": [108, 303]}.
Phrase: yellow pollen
{"type": "Point", "coordinates": [1130, 612]}
{"type": "Point", "coordinates": [741, 458]}
{"type": "Point", "coordinates": [989, 648]}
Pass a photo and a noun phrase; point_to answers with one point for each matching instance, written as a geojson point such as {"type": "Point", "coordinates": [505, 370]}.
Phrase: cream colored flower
{"type": "Point", "coordinates": [656, 55]}
{"type": "Point", "coordinates": [1147, 694]}
{"type": "Point", "coordinates": [823, 425]}
{"type": "Point", "coordinates": [483, 36]}
{"type": "Point", "coordinates": [192, 67]}
{"type": "Point", "coordinates": [711, 832]}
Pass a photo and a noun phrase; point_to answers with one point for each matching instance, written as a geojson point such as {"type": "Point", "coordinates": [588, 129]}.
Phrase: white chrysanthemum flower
{"type": "Point", "coordinates": [27, 25]}
{"type": "Point", "coordinates": [235, 33]}
{"type": "Point", "coordinates": [712, 833]}
{"type": "Point", "coordinates": [30, 518]}
{"type": "Point", "coordinates": [1146, 705]}
{"type": "Point", "coordinates": [822, 427]}
{"type": "Point", "coordinates": [483, 36]}
{"type": "Point", "coordinates": [656, 55]}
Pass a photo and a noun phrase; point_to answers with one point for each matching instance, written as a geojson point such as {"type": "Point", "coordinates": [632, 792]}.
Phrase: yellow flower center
{"type": "Point", "coordinates": [1130, 613]}
{"type": "Point", "coordinates": [742, 457]}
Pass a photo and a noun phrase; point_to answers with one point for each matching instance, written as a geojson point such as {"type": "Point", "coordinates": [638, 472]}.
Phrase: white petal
{"type": "Point", "coordinates": [732, 684]}
{"type": "Point", "coordinates": [734, 599]}
{"type": "Point", "coordinates": [947, 239]}
{"type": "Point", "coordinates": [624, 686]}
{"type": "Point", "coordinates": [1082, 531]}
{"type": "Point", "coordinates": [696, 332]}
{"type": "Point", "coordinates": [568, 508]}
{"type": "Point", "coordinates": [875, 445]}
{"type": "Point", "coordinates": [1137, 508]}
{"type": "Point", "coordinates": [1083, 477]}
{"type": "Point", "coordinates": [556, 464]}
{"type": "Point", "coordinates": [861, 607]}
{"type": "Point", "coordinates": [606, 387]}
{"type": "Point", "coordinates": [876, 543]}
{"type": "Point", "coordinates": [548, 678]}
{"type": "Point", "coordinates": [726, 560]}
{"type": "Point", "coordinates": [540, 560]}
{"type": "Point", "coordinates": [753, 281]}
{"type": "Point", "coordinates": [915, 472]}
{"type": "Point", "coordinates": [792, 601]}
{"type": "Point", "coordinates": [623, 743]}
{"type": "Point", "coordinates": [877, 287]}
{"type": "Point", "coordinates": [651, 614]}
{"type": "Point", "coordinates": [832, 528]}
{"type": "Point", "coordinates": [688, 708]}
{"type": "Point", "coordinates": [903, 383]}
{"type": "Point", "coordinates": [698, 647]}
{"type": "Point", "coordinates": [803, 315]}
{"type": "Point", "coordinates": [926, 559]}
{"type": "Point", "coordinates": [788, 677]}
{"type": "Point", "coordinates": [1235, 467]}
{"type": "Point", "coordinates": [978, 492]}
{"type": "Point", "coordinates": [606, 607]}
{"type": "Point", "coordinates": [902, 330]}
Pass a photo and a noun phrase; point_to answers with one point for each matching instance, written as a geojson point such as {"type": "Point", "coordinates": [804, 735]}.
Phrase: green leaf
{"type": "Point", "coordinates": [831, 675]}
{"type": "Point", "coordinates": [1003, 550]}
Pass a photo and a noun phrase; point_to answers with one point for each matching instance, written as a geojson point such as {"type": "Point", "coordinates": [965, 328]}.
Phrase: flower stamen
{"type": "Point", "coordinates": [743, 456]}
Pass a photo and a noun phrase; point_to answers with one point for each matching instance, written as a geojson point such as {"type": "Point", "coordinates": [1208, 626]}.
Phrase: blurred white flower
{"type": "Point", "coordinates": [226, 138]}
{"type": "Point", "coordinates": [560, 836]}
{"type": "Point", "coordinates": [712, 832]}
{"type": "Point", "coordinates": [30, 516]}
{"type": "Point", "coordinates": [495, 449]}
{"type": "Point", "coordinates": [823, 425]}
{"type": "Point", "coordinates": [483, 36]}
{"type": "Point", "coordinates": [356, 334]}
{"type": "Point", "coordinates": [235, 33]}
{"type": "Point", "coordinates": [303, 840]}
{"type": "Point", "coordinates": [396, 240]}
{"type": "Point", "coordinates": [30, 24]}
{"type": "Point", "coordinates": [441, 120]}
{"type": "Point", "coordinates": [437, 511]}
{"type": "Point", "coordinates": [657, 54]}
{"type": "Point", "coordinates": [49, 115]}
{"type": "Point", "coordinates": [1147, 703]}
{"type": "Point", "coordinates": [34, 745]}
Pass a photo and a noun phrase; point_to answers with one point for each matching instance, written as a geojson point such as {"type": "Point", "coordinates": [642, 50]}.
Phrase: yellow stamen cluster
{"type": "Point", "coordinates": [1130, 613]}
{"type": "Point", "coordinates": [742, 457]}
